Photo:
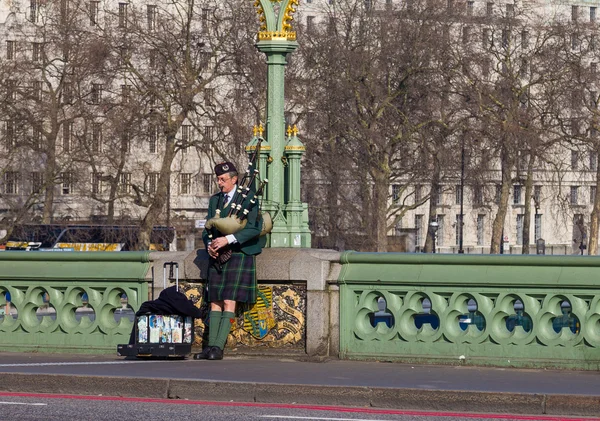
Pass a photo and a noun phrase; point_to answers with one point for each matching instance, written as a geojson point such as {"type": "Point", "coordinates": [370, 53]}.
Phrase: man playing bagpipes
{"type": "Point", "coordinates": [232, 269]}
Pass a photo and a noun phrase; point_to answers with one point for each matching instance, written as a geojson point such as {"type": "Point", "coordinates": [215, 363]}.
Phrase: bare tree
{"type": "Point", "coordinates": [369, 68]}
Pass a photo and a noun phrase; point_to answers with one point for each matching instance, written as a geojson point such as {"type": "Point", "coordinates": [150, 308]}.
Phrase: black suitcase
{"type": "Point", "coordinates": [159, 335]}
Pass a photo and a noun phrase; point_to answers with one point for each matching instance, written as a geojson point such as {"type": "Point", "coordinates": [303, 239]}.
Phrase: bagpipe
{"type": "Point", "coordinates": [249, 189]}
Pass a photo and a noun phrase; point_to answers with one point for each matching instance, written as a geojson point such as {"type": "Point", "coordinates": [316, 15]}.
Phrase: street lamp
{"type": "Point", "coordinates": [433, 227]}
{"type": "Point", "coordinates": [462, 189]}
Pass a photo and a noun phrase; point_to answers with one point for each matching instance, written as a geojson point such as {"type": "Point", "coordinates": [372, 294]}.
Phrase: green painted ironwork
{"type": "Point", "coordinates": [276, 39]}
{"type": "Point", "coordinates": [70, 301]}
{"type": "Point", "coordinates": [520, 311]}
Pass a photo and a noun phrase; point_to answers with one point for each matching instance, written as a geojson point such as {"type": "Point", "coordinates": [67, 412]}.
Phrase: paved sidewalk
{"type": "Point", "coordinates": [286, 379]}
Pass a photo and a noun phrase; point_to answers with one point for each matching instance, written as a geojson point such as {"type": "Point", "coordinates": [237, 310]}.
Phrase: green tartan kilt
{"type": "Point", "coordinates": [236, 281]}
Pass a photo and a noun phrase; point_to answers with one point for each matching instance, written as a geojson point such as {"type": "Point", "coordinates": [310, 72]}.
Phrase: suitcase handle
{"type": "Point", "coordinates": [171, 264]}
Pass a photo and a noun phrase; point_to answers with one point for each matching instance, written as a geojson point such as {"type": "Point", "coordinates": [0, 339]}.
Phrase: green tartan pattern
{"type": "Point", "coordinates": [236, 280]}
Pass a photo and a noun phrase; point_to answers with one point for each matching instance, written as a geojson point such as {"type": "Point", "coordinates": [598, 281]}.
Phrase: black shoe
{"type": "Point", "coordinates": [215, 353]}
{"type": "Point", "coordinates": [203, 355]}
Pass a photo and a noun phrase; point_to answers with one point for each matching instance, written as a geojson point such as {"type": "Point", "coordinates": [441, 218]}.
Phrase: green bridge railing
{"type": "Point", "coordinates": [522, 311]}
{"type": "Point", "coordinates": [69, 301]}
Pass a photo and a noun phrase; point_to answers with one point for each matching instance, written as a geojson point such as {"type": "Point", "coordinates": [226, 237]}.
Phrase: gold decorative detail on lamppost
{"type": "Point", "coordinates": [276, 25]}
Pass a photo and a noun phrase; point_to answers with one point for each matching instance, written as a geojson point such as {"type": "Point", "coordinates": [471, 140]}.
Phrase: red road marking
{"type": "Point", "coordinates": [309, 407]}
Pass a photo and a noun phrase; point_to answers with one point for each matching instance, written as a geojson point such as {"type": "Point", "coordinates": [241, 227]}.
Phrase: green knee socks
{"type": "Point", "coordinates": [224, 328]}
{"type": "Point", "coordinates": [219, 326]}
{"type": "Point", "coordinates": [213, 327]}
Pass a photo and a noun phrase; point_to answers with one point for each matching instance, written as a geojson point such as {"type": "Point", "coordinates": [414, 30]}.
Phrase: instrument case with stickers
{"type": "Point", "coordinates": [159, 335]}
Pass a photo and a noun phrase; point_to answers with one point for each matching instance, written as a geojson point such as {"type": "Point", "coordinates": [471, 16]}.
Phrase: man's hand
{"type": "Point", "coordinates": [216, 245]}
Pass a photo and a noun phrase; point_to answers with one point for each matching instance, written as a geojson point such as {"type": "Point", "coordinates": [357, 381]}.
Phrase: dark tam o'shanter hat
{"type": "Point", "coordinates": [224, 167]}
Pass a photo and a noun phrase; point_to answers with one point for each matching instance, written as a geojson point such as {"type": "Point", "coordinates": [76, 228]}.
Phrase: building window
{"type": "Point", "coordinates": [36, 136]}
{"type": "Point", "coordinates": [93, 8]}
{"type": "Point", "coordinates": [152, 55]}
{"type": "Point", "coordinates": [125, 94]}
{"type": "Point", "coordinates": [185, 183]}
{"type": "Point", "coordinates": [36, 51]}
{"type": "Point", "coordinates": [96, 183]}
{"type": "Point", "coordinates": [67, 136]}
{"type": "Point", "coordinates": [395, 193]}
{"type": "Point", "coordinates": [592, 14]}
{"type": "Point", "coordinates": [489, 9]}
{"type": "Point", "coordinates": [34, 10]}
{"type": "Point", "coordinates": [187, 137]}
{"type": "Point", "coordinates": [457, 228]}
{"type": "Point", "coordinates": [436, 195]}
{"type": "Point", "coordinates": [520, 229]}
{"type": "Point", "coordinates": [574, 197]}
{"type": "Point", "coordinates": [466, 33]}
{"type": "Point", "coordinates": [205, 60]}
{"type": "Point", "coordinates": [10, 49]}
{"type": "Point", "coordinates": [153, 139]}
{"type": "Point", "coordinates": [205, 19]}
{"type": "Point", "coordinates": [485, 38]}
{"type": "Point", "coordinates": [209, 132]}
{"type": "Point", "coordinates": [37, 90]}
{"type": "Point", "coordinates": [209, 97]}
{"type": "Point", "coordinates": [510, 10]}
{"type": "Point", "coordinates": [574, 13]}
{"type": "Point", "coordinates": [37, 182]}
{"type": "Point", "coordinates": [66, 183]}
{"type": "Point", "coordinates": [505, 37]}
{"type": "Point", "coordinates": [151, 10]}
{"type": "Point", "coordinates": [125, 183]}
{"type": "Point", "coordinates": [11, 182]}
{"type": "Point", "coordinates": [593, 161]}
{"type": "Point", "coordinates": [593, 100]}
{"type": "Point", "coordinates": [122, 15]}
{"type": "Point", "coordinates": [440, 232]}
{"type": "Point", "coordinates": [537, 231]}
{"type": "Point", "coordinates": [206, 182]}
{"type": "Point", "coordinates": [11, 89]}
{"type": "Point", "coordinates": [332, 24]}
{"type": "Point", "coordinates": [457, 194]}
{"type": "Point", "coordinates": [96, 145]}
{"type": "Point", "coordinates": [574, 41]}
{"type": "Point", "coordinates": [96, 94]}
{"type": "Point", "coordinates": [470, 7]}
{"type": "Point", "coordinates": [418, 230]}
{"type": "Point", "coordinates": [498, 194]}
{"type": "Point", "coordinates": [516, 195]}
{"type": "Point", "coordinates": [537, 195]}
{"type": "Point", "coordinates": [152, 182]}
{"type": "Point", "coordinates": [418, 194]}
{"type": "Point", "coordinates": [480, 229]}
{"type": "Point", "coordinates": [67, 93]}
{"type": "Point", "coordinates": [310, 23]}
{"type": "Point", "coordinates": [574, 160]}
{"type": "Point", "coordinates": [477, 196]}
{"type": "Point", "coordinates": [593, 190]}
{"type": "Point", "coordinates": [524, 39]}
{"type": "Point", "coordinates": [11, 140]}
{"type": "Point", "coordinates": [125, 141]}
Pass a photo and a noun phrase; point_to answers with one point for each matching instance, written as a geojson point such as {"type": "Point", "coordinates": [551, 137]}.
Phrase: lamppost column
{"type": "Point", "coordinates": [296, 211]}
{"type": "Point", "coordinates": [276, 39]}
{"type": "Point", "coordinates": [462, 193]}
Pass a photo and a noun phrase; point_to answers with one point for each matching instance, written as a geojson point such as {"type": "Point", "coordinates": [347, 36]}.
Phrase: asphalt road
{"type": "Point", "coordinates": [58, 408]}
{"type": "Point", "coordinates": [284, 380]}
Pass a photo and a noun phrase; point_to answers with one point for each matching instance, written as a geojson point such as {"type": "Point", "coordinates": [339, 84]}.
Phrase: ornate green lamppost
{"type": "Point", "coordinates": [282, 198]}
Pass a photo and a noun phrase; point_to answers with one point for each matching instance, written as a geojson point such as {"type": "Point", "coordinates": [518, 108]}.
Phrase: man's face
{"type": "Point", "coordinates": [226, 182]}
